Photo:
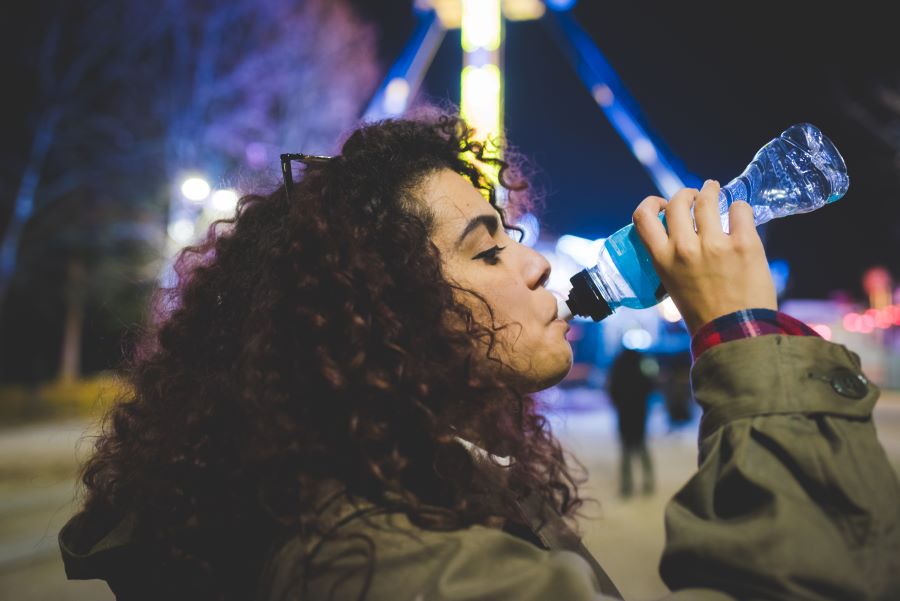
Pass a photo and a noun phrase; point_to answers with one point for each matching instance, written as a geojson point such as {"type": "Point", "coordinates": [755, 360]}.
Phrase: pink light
{"type": "Point", "coordinates": [852, 322]}
{"type": "Point", "coordinates": [895, 314]}
{"type": "Point", "coordinates": [883, 318]}
{"type": "Point", "coordinates": [866, 323]}
{"type": "Point", "coordinates": [823, 330]}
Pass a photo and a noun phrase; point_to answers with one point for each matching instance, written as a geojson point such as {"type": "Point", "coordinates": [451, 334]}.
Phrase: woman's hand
{"type": "Point", "coordinates": [707, 272]}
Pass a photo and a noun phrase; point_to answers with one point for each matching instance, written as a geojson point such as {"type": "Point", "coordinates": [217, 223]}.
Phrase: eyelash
{"type": "Point", "coordinates": [490, 256]}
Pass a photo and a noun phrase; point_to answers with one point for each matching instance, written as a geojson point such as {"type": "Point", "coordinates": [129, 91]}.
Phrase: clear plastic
{"type": "Point", "coordinates": [797, 172]}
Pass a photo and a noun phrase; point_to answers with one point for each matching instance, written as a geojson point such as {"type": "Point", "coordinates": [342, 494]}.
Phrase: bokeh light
{"type": "Point", "coordinates": [195, 189]}
{"type": "Point", "coordinates": [224, 201]}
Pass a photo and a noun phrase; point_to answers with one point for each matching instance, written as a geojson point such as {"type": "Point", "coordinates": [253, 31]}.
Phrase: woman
{"type": "Point", "coordinates": [335, 405]}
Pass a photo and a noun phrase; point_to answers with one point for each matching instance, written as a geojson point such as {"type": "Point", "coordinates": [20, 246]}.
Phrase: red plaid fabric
{"type": "Point", "coordinates": [746, 324]}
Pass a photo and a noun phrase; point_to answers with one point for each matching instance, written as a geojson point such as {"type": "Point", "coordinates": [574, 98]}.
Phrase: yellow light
{"type": "Point", "coordinates": [448, 11]}
{"type": "Point", "coordinates": [523, 10]}
{"type": "Point", "coordinates": [481, 24]}
{"type": "Point", "coordinates": [481, 99]}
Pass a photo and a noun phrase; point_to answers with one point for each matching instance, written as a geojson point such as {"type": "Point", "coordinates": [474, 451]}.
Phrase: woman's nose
{"type": "Point", "coordinates": [538, 270]}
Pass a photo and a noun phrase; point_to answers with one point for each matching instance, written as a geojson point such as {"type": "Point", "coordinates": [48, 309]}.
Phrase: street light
{"type": "Point", "coordinates": [224, 201]}
{"type": "Point", "coordinates": [181, 230]}
{"type": "Point", "coordinates": [195, 189]}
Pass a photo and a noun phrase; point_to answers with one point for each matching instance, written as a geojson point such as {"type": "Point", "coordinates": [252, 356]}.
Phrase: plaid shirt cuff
{"type": "Point", "coordinates": [746, 324]}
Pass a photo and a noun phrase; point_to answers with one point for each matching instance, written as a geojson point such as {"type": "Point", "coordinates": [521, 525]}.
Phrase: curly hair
{"type": "Point", "coordinates": [309, 339]}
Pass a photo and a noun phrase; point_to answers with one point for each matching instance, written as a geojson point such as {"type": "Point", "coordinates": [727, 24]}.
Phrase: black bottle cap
{"type": "Point", "coordinates": [585, 299]}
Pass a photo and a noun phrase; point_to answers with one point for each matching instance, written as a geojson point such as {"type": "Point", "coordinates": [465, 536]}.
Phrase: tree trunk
{"type": "Point", "coordinates": [75, 293]}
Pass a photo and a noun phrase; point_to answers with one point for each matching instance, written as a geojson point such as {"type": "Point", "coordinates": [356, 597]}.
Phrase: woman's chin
{"type": "Point", "coordinates": [552, 372]}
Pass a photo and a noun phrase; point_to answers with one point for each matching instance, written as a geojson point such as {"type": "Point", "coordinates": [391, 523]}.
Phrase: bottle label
{"type": "Point", "coordinates": [636, 267]}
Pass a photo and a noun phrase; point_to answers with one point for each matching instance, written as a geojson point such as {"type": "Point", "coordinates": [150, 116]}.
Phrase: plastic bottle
{"type": "Point", "coordinates": [797, 172]}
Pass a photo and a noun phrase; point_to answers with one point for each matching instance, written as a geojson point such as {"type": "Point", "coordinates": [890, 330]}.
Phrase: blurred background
{"type": "Point", "coordinates": [129, 127]}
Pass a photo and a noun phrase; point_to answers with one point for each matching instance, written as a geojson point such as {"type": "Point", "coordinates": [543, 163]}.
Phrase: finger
{"type": "Point", "coordinates": [678, 215]}
{"type": "Point", "coordinates": [649, 228]}
{"type": "Point", "coordinates": [741, 224]}
{"type": "Point", "coordinates": [706, 211]}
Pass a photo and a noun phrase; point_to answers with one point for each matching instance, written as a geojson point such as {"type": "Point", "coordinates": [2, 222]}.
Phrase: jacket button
{"type": "Point", "coordinates": [849, 384]}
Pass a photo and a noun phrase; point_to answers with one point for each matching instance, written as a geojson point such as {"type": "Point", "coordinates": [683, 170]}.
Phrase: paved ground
{"type": "Point", "coordinates": [37, 496]}
{"type": "Point", "coordinates": [37, 473]}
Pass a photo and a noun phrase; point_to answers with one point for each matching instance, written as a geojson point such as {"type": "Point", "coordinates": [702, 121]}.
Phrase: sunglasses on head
{"type": "Point", "coordinates": [287, 161]}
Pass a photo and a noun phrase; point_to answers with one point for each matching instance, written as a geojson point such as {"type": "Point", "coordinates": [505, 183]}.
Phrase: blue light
{"type": "Point", "coordinates": [402, 81]}
{"type": "Point", "coordinates": [781, 272]}
{"type": "Point", "coordinates": [560, 4]}
{"type": "Point", "coordinates": [613, 99]}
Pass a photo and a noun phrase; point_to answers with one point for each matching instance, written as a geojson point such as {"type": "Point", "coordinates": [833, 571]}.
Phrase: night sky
{"type": "Point", "coordinates": [714, 83]}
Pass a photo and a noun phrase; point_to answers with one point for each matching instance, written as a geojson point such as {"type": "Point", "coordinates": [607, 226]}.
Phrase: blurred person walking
{"type": "Point", "coordinates": [629, 385]}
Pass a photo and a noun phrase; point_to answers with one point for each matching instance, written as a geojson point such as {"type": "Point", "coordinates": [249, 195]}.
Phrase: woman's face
{"type": "Point", "coordinates": [478, 255]}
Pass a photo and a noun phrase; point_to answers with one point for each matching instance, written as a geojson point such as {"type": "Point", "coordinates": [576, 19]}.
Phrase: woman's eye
{"type": "Point", "coordinates": [490, 256]}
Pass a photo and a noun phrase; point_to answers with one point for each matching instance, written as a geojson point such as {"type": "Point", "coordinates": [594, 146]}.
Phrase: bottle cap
{"type": "Point", "coordinates": [585, 299]}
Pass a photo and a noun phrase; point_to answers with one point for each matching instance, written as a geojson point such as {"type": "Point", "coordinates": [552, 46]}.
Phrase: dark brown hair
{"type": "Point", "coordinates": [309, 339]}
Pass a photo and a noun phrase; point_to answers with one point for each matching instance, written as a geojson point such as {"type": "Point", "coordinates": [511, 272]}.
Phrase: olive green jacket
{"type": "Point", "coordinates": [793, 499]}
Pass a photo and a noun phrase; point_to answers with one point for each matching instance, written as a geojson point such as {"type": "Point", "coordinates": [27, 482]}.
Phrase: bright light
{"type": "Point", "coordinates": [481, 99]}
{"type": "Point", "coordinates": [669, 311]}
{"type": "Point", "coordinates": [644, 151]}
{"type": "Point", "coordinates": [396, 96]}
{"type": "Point", "coordinates": [531, 228]}
{"type": "Point", "coordinates": [481, 24]}
{"type": "Point", "coordinates": [181, 230]}
{"type": "Point", "coordinates": [560, 4]}
{"type": "Point", "coordinates": [481, 85]}
{"type": "Point", "coordinates": [823, 330]}
{"type": "Point", "coordinates": [195, 189]}
{"type": "Point", "coordinates": [583, 251]}
{"type": "Point", "coordinates": [637, 339]}
{"type": "Point", "coordinates": [224, 201]}
{"type": "Point", "coordinates": [603, 95]}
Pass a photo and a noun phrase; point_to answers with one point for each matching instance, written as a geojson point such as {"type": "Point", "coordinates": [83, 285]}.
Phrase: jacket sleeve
{"type": "Point", "coordinates": [794, 497]}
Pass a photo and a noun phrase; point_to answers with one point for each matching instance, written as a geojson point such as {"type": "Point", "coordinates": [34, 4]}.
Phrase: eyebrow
{"type": "Point", "coordinates": [489, 221]}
